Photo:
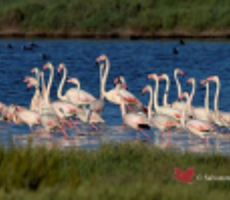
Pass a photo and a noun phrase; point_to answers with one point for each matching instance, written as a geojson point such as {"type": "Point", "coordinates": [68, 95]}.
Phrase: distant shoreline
{"type": "Point", "coordinates": [117, 35]}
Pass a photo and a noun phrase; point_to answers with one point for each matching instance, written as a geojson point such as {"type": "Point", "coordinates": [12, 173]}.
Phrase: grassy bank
{"type": "Point", "coordinates": [120, 172]}
{"type": "Point", "coordinates": [115, 18]}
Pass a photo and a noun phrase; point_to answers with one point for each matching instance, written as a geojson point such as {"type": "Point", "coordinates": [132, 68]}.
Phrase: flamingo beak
{"type": "Point", "coordinates": [29, 85]}
{"type": "Point", "coordinates": [203, 82]}
{"type": "Point", "coordinates": [69, 80]}
{"type": "Point", "coordinates": [44, 67]}
{"type": "Point", "coordinates": [188, 82]}
{"type": "Point", "coordinates": [144, 91]}
{"type": "Point", "coordinates": [181, 73]}
{"type": "Point", "coordinates": [26, 79]}
{"type": "Point", "coordinates": [116, 80]}
{"type": "Point", "coordinates": [150, 76]}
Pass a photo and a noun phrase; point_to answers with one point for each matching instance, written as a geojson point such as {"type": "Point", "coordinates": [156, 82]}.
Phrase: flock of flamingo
{"type": "Point", "coordinates": [79, 105]}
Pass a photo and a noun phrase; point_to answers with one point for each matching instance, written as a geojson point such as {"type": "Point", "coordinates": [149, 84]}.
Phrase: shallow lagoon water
{"type": "Point", "coordinates": [132, 59]}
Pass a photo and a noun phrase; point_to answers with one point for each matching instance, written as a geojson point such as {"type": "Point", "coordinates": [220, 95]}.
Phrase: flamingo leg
{"type": "Point", "coordinates": [162, 136]}
{"type": "Point", "coordinates": [75, 126]}
{"type": "Point", "coordinates": [169, 137]}
{"type": "Point", "coordinates": [94, 126]}
{"type": "Point", "coordinates": [206, 141]}
{"type": "Point", "coordinates": [31, 129]}
{"type": "Point", "coordinates": [64, 132]}
{"type": "Point", "coordinates": [129, 108]}
{"type": "Point", "coordinates": [144, 133]}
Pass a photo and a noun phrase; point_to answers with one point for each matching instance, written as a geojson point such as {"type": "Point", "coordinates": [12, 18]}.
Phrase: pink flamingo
{"type": "Point", "coordinates": [195, 126]}
{"type": "Point", "coordinates": [127, 97]}
{"type": "Point", "coordinates": [115, 95]}
{"type": "Point", "coordinates": [172, 112]}
{"type": "Point", "coordinates": [27, 117]}
{"type": "Point", "coordinates": [73, 95]}
{"type": "Point", "coordinates": [160, 121]}
{"type": "Point", "coordinates": [179, 105]}
{"type": "Point", "coordinates": [219, 117]}
{"type": "Point", "coordinates": [49, 119]}
{"type": "Point", "coordinates": [200, 113]}
{"type": "Point", "coordinates": [135, 121]}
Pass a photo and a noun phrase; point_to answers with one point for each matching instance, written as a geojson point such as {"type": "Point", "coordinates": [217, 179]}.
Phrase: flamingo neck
{"type": "Point", "coordinates": [50, 82]}
{"type": "Point", "coordinates": [105, 76]}
{"type": "Point", "coordinates": [150, 105]}
{"type": "Point", "coordinates": [206, 101]}
{"type": "Point", "coordinates": [44, 90]}
{"type": "Point", "coordinates": [216, 99]}
{"type": "Point", "coordinates": [101, 88]}
{"type": "Point", "coordinates": [123, 110]}
{"type": "Point", "coordinates": [186, 108]}
{"type": "Point", "coordinates": [61, 85]}
{"type": "Point", "coordinates": [192, 92]}
{"type": "Point", "coordinates": [178, 84]}
{"type": "Point", "coordinates": [165, 100]}
{"type": "Point", "coordinates": [37, 75]}
{"type": "Point", "coordinates": [156, 106]}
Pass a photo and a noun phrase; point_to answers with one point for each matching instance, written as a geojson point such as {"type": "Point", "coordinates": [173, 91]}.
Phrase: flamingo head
{"type": "Point", "coordinates": [213, 78]}
{"type": "Point", "coordinates": [183, 95]}
{"type": "Point", "coordinates": [48, 65]}
{"type": "Point", "coordinates": [2, 106]}
{"type": "Point", "coordinates": [179, 71]}
{"type": "Point", "coordinates": [73, 80]}
{"type": "Point", "coordinates": [34, 70]}
{"type": "Point", "coordinates": [31, 82]}
{"type": "Point", "coordinates": [116, 81]}
{"type": "Point", "coordinates": [163, 76]}
{"type": "Point", "coordinates": [26, 79]}
{"type": "Point", "coordinates": [153, 76]}
{"type": "Point", "coordinates": [101, 58]}
{"type": "Point", "coordinates": [190, 81]}
{"type": "Point", "coordinates": [60, 67]}
{"type": "Point", "coordinates": [203, 82]}
{"type": "Point", "coordinates": [145, 89]}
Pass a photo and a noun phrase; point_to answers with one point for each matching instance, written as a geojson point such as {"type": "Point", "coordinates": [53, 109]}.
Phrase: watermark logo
{"type": "Point", "coordinates": [184, 176]}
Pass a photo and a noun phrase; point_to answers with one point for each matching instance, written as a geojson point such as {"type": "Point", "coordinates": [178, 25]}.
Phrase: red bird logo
{"type": "Point", "coordinates": [184, 176]}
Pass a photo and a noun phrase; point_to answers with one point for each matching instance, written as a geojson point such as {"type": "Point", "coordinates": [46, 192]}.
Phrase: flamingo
{"type": "Point", "coordinates": [160, 121]}
{"type": "Point", "coordinates": [73, 95]}
{"type": "Point", "coordinates": [219, 117]}
{"type": "Point", "coordinates": [90, 117]}
{"type": "Point", "coordinates": [27, 117]}
{"type": "Point", "coordinates": [165, 99]}
{"type": "Point", "coordinates": [49, 119]}
{"type": "Point", "coordinates": [135, 121]}
{"type": "Point", "coordinates": [179, 105]}
{"type": "Point", "coordinates": [127, 97]}
{"type": "Point", "coordinates": [62, 109]}
{"type": "Point", "coordinates": [99, 104]}
{"type": "Point", "coordinates": [195, 126]}
{"type": "Point", "coordinates": [114, 95]}
{"type": "Point", "coordinates": [172, 112]}
{"type": "Point", "coordinates": [200, 113]}
{"type": "Point", "coordinates": [36, 99]}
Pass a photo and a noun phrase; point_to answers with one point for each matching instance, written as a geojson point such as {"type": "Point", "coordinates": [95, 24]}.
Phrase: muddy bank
{"type": "Point", "coordinates": [116, 34]}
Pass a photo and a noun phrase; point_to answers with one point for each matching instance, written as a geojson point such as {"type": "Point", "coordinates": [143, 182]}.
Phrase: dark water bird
{"type": "Point", "coordinates": [27, 48]}
{"type": "Point", "coordinates": [44, 56]}
{"type": "Point", "coordinates": [9, 46]}
{"type": "Point", "coordinates": [175, 50]}
{"type": "Point", "coordinates": [32, 44]}
{"type": "Point", "coordinates": [181, 41]}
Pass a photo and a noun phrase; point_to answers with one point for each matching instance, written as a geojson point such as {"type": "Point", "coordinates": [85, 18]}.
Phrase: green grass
{"type": "Point", "coordinates": [146, 16]}
{"type": "Point", "coordinates": [129, 171]}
